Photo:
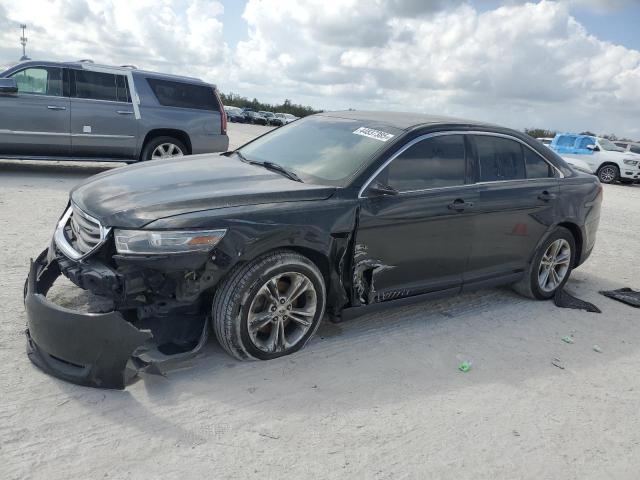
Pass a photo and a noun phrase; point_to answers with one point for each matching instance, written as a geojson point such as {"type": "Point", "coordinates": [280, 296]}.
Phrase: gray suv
{"type": "Point", "coordinates": [84, 111]}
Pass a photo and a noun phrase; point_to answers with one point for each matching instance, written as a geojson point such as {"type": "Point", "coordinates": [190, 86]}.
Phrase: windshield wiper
{"type": "Point", "coordinates": [271, 166]}
{"type": "Point", "coordinates": [280, 169]}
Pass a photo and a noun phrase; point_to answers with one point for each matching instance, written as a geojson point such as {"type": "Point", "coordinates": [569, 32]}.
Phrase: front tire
{"type": "Point", "coordinates": [608, 173]}
{"type": "Point", "coordinates": [269, 307]}
{"type": "Point", "coordinates": [551, 266]}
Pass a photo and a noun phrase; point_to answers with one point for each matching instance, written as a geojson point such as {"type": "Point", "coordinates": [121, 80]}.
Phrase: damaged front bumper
{"type": "Point", "coordinates": [92, 349]}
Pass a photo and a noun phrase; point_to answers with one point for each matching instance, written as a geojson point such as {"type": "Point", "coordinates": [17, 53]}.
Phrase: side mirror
{"type": "Point", "coordinates": [377, 189]}
{"type": "Point", "coordinates": [8, 86]}
{"type": "Point", "coordinates": [593, 148]}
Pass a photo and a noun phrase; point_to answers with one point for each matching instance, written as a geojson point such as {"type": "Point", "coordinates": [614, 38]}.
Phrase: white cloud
{"type": "Point", "coordinates": [524, 64]}
{"type": "Point", "coordinates": [521, 65]}
{"type": "Point", "coordinates": [178, 36]}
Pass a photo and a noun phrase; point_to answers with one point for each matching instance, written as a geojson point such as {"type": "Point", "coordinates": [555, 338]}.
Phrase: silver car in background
{"type": "Point", "coordinates": [84, 111]}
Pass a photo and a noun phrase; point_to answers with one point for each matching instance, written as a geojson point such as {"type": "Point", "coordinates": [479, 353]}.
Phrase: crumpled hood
{"type": "Point", "coordinates": [136, 195]}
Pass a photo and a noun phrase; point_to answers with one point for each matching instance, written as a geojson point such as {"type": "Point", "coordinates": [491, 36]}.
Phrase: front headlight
{"type": "Point", "coordinates": [630, 162]}
{"type": "Point", "coordinates": [150, 242]}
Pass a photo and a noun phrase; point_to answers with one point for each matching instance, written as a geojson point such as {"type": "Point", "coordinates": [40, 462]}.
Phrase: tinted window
{"type": "Point", "coordinates": [499, 158]}
{"type": "Point", "coordinates": [325, 150]}
{"type": "Point", "coordinates": [583, 143]}
{"type": "Point", "coordinates": [566, 141]}
{"type": "Point", "coordinates": [184, 95]}
{"type": "Point", "coordinates": [40, 80]}
{"type": "Point", "coordinates": [95, 85]}
{"type": "Point", "coordinates": [431, 163]}
{"type": "Point", "coordinates": [536, 166]}
{"type": "Point", "coordinates": [635, 149]}
{"type": "Point", "coordinates": [122, 87]}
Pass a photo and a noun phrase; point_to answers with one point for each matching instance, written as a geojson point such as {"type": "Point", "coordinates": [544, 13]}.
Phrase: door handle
{"type": "Point", "coordinates": [459, 205]}
{"type": "Point", "coordinates": [124, 112]}
{"type": "Point", "coordinates": [546, 196]}
{"type": "Point", "coordinates": [56, 107]}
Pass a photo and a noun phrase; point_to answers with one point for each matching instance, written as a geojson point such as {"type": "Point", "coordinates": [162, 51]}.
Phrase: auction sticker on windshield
{"type": "Point", "coordinates": [376, 134]}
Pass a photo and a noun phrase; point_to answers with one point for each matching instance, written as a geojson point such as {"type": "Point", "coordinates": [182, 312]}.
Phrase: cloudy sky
{"type": "Point", "coordinates": [565, 65]}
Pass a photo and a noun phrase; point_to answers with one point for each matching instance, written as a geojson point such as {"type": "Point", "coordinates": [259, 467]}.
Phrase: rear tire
{"type": "Point", "coordinates": [269, 307]}
{"type": "Point", "coordinates": [171, 146]}
{"type": "Point", "coordinates": [608, 173]}
{"type": "Point", "coordinates": [550, 267]}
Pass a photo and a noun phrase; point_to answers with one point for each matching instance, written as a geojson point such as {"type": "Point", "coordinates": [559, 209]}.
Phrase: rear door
{"type": "Point", "coordinates": [517, 195]}
{"type": "Point", "coordinates": [35, 121]}
{"type": "Point", "coordinates": [417, 240]}
{"type": "Point", "coordinates": [103, 122]}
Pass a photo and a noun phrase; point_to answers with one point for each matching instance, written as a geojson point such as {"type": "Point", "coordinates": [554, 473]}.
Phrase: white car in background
{"type": "Point", "coordinates": [287, 117]}
{"type": "Point", "coordinates": [605, 159]}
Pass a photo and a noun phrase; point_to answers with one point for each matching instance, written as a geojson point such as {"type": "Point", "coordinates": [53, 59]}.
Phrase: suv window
{"type": "Point", "coordinates": [184, 95]}
{"type": "Point", "coordinates": [635, 148]}
{"type": "Point", "coordinates": [566, 141]}
{"type": "Point", "coordinates": [583, 143]}
{"type": "Point", "coordinates": [40, 80]}
{"type": "Point", "coordinates": [536, 166]}
{"type": "Point", "coordinates": [499, 158]}
{"type": "Point", "coordinates": [100, 86]}
{"type": "Point", "coordinates": [431, 163]}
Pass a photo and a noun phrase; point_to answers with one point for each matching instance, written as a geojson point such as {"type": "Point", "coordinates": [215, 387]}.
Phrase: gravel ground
{"type": "Point", "coordinates": [373, 398]}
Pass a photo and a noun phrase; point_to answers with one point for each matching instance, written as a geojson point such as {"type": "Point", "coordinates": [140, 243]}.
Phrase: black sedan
{"type": "Point", "coordinates": [336, 214]}
{"type": "Point", "coordinates": [234, 114]}
{"type": "Point", "coordinates": [254, 117]}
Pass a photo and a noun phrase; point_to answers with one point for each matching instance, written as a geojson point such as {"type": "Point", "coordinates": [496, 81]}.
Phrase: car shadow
{"type": "Point", "coordinates": [30, 168]}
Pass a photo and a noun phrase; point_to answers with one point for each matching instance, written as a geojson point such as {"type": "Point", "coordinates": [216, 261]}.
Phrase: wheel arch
{"type": "Point", "coordinates": [167, 132]}
{"type": "Point", "coordinates": [578, 237]}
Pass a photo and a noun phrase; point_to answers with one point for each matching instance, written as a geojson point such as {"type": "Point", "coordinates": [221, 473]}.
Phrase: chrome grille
{"type": "Point", "coordinates": [85, 231]}
{"type": "Point", "coordinates": [79, 234]}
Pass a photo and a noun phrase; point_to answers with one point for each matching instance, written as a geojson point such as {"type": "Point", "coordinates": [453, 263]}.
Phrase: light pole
{"type": "Point", "coordinates": [23, 42]}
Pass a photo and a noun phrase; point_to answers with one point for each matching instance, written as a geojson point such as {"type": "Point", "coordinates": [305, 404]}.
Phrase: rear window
{"type": "Point", "coordinates": [500, 159]}
{"type": "Point", "coordinates": [184, 95]}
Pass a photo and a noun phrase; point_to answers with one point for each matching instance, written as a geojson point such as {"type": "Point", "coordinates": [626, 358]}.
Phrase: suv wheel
{"type": "Point", "coordinates": [551, 266]}
{"type": "Point", "coordinates": [608, 173]}
{"type": "Point", "coordinates": [269, 307]}
{"type": "Point", "coordinates": [163, 147]}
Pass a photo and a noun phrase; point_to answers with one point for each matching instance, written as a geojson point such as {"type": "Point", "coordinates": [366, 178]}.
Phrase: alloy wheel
{"type": "Point", "coordinates": [166, 150]}
{"type": "Point", "coordinates": [607, 174]}
{"type": "Point", "coordinates": [554, 265]}
{"type": "Point", "coordinates": [282, 312]}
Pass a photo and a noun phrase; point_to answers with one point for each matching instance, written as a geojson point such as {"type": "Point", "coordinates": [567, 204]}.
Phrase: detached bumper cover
{"type": "Point", "coordinates": [92, 349]}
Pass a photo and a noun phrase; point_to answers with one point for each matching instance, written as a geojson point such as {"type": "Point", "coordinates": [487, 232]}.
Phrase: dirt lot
{"type": "Point", "coordinates": [377, 397]}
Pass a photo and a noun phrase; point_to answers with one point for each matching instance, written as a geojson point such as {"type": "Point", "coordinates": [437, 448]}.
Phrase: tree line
{"type": "Point", "coordinates": [235, 100]}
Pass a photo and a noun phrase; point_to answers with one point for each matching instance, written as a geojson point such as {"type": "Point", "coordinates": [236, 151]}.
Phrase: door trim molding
{"type": "Point", "coordinates": [26, 132]}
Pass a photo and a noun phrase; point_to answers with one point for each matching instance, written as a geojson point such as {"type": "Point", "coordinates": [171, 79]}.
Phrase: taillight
{"type": "Point", "coordinates": [223, 115]}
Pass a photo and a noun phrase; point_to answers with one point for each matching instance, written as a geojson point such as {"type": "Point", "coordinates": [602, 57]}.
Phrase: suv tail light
{"type": "Point", "coordinates": [223, 114]}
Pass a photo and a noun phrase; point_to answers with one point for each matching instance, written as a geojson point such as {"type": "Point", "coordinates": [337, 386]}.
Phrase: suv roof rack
{"type": "Point", "coordinates": [132, 67]}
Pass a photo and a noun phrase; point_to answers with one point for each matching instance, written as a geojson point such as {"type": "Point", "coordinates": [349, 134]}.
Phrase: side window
{"type": "Point", "coordinates": [499, 158]}
{"type": "Point", "coordinates": [184, 95]}
{"type": "Point", "coordinates": [431, 163]}
{"type": "Point", "coordinates": [95, 85]}
{"type": "Point", "coordinates": [122, 87]}
{"type": "Point", "coordinates": [566, 141]}
{"type": "Point", "coordinates": [583, 143]}
{"type": "Point", "coordinates": [635, 149]}
{"type": "Point", "coordinates": [40, 80]}
{"type": "Point", "coordinates": [536, 166]}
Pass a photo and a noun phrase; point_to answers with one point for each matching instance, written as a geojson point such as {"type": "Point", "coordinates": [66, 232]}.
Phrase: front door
{"type": "Point", "coordinates": [415, 226]}
{"type": "Point", "coordinates": [35, 121]}
{"type": "Point", "coordinates": [518, 191]}
{"type": "Point", "coordinates": [103, 122]}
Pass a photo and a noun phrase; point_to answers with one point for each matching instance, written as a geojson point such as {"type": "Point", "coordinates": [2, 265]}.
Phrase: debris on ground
{"type": "Point", "coordinates": [596, 348]}
{"type": "Point", "coordinates": [556, 362]}
{"type": "Point", "coordinates": [464, 366]}
{"type": "Point", "coordinates": [563, 299]}
{"type": "Point", "coordinates": [624, 295]}
{"type": "Point", "coordinates": [567, 339]}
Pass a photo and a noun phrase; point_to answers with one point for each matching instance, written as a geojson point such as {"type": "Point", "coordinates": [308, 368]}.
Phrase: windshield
{"type": "Point", "coordinates": [609, 145]}
{"type": "Point", "coordinates": [321, 149]}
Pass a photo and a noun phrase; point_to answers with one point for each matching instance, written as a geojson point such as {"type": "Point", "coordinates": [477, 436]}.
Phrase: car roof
{"type": "Point", "coordinates": [402, 120]}
{"type": "Point", "coordinates": [124, 69]}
